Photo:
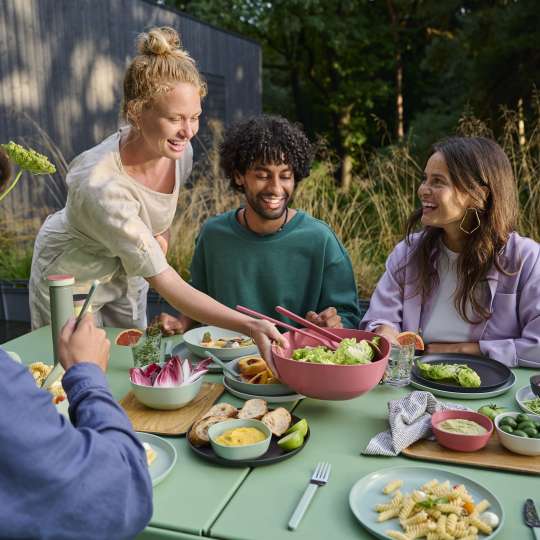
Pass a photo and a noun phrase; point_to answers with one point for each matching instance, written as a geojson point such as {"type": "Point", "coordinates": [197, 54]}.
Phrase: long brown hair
{"type": "Point", "coordinates": [478, 167]}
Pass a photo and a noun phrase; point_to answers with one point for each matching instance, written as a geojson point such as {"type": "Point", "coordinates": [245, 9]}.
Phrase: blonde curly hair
{"type": "Point", "coordinates": [161, 63]}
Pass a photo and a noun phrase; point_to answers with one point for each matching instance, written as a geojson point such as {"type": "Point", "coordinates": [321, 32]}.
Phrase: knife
{"type": "Point", "coordinates": [56, 372]}
{"type": "Point", "coordinates": [531, 517]}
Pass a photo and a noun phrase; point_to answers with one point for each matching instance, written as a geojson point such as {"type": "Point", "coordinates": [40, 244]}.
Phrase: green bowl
{"type": "Point", "coordinates": [166, 398]}
{"type": "Point", "coordinates": [247, 451]}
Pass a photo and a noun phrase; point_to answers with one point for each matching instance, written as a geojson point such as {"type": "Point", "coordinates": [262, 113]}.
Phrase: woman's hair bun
{"type": "Point", "coordinates": [159, 41]}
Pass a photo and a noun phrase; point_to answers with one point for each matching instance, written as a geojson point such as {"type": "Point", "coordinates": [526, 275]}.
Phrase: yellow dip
{"type": "Point", "coordinates": [241, 436]}
{"type": "Point", "coordinates": [462, 426]}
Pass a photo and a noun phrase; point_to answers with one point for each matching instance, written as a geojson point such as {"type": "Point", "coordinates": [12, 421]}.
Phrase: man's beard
{"type": "Point", "coordinates": [258, 207]}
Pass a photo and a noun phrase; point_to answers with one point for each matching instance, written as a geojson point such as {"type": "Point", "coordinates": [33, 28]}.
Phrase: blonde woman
{"type": "Point", "coordinates": [122, 196]}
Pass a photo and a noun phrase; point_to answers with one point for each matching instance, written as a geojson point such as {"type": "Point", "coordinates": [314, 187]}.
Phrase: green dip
{"type": "Point", "coordinates": [462, 426]}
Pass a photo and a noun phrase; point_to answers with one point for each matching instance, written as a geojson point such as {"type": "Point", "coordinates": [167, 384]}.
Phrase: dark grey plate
{"type": "Point", "coordinates": [182, 351]}
{"type": "Point", "coordinates": [492, 374]}
{"type": "Point", "coordinates": [274, 453]}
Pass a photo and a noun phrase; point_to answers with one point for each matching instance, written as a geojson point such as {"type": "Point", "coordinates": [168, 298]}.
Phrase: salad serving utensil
{"type": "Point", "coordinates": [223, 365]}
{"type": "Point", "coordinates": [531, 517]}
{"type": "Point", "coordinates": [330, 344]}
{"type": "Point", "coordinates": [308, 324]}
{"type": "Point", "coordinates": [320, 477]}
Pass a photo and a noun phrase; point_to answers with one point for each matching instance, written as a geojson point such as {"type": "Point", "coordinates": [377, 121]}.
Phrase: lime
{"type": "Point", "coordinates": [291, 441]}
{"type": "Point", "coordinates": [522, 426]}
{"type": "Point", "coordinates": [531, 432]}
{"type": "Point", "coordinates": [522, 418]}
{"type": "Point", "coordinates": [301, 426]}
{"type": "Point", "coordinates": [506, 428]}
{"type": "Point", "coordinates": [519, 433]}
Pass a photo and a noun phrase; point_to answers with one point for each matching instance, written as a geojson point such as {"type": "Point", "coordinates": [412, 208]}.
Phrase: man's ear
{"type": "Point", "coordinates": [239, 180]}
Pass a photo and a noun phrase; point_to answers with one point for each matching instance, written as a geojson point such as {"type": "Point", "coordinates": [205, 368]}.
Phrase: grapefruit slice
{"type": "Point", "coordinates": [129, 337]}
{"type": "Point", "coordinates": [405, 338]}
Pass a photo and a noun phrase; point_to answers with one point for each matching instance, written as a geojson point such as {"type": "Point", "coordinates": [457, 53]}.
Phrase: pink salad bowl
{"type": "Point", "coordinates": [329, 381]}
{"type": "Point", "coordinates": [459, 441]}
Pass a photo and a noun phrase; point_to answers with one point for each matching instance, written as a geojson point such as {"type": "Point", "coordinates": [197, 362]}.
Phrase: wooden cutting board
{"type": "Point", "coordinates": [492, 456]}
{"type": "Point", "coordinates": [175, 422]}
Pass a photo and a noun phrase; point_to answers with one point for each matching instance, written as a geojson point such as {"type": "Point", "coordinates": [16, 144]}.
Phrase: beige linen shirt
{"type": "Point", "coordinates": [106, 231]}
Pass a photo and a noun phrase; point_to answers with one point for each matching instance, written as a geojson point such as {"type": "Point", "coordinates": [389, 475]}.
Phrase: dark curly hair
{"type": "Point", "coordinates": [262, 140]}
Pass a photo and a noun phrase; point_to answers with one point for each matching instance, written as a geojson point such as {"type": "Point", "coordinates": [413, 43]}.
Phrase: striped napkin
{"type": "Point", "coordinates": [410, 420]}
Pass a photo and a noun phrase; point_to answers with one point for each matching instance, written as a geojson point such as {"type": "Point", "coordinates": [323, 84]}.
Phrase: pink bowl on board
{"type": "Point", "coordinates": [458, 441]}
{"type": "Point", "coordinates": [329, 381]}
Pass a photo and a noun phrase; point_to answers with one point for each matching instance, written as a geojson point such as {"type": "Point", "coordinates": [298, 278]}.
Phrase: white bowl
{"type": "Point", "coordinates": [192, 339]}
{"type": "Point", "coordinates": [166, 398]}
{"type": "Point", "coordinates": [247, 451]}
{"type": "Point", "coordinates": [519, 445]}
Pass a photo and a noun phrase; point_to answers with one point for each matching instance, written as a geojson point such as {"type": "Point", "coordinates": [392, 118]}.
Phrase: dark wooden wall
{"type": "Point", "coordinates": [61, 70]}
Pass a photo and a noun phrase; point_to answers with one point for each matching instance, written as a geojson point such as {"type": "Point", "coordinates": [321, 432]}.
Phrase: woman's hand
{"type": "Point", "coordinates": [263, 334]}
{"type": "Point", "coordinates": [328, 318]}
{"type": "Point", "coordinates": [163, 242]}
{"type": "Point", "coordinates": [461, 348]}
{"type": "Point", "coordinates": [388, 332]}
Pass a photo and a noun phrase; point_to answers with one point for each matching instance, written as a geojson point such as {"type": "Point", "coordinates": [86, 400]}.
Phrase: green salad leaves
{"type": "Point", "coordinates": [349, 352]}
{"type": "Point", "coordinates": [460, 373]}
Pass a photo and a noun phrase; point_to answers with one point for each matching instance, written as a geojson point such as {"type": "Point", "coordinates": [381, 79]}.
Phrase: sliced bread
{"type": "Point", "coordinates": [198, 434]}
{"type": "Point", "coordinates": [253, 408]}
{"type": "Point", "coordinates": [278, 421]}
{"type": "Point", "coordinates": [221, 409]}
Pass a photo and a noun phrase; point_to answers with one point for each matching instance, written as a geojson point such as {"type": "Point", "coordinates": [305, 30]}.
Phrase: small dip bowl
{"type": "Point", "coordinates": [460, 441]}
{"type": "Point", "coordinates": [526, 446]}
{"type": "Point", "coordinates": [246, 451]}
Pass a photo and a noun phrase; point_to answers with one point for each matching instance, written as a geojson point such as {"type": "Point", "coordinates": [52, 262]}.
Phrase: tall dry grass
{"type": "Point", "coordinates": [369, 220]}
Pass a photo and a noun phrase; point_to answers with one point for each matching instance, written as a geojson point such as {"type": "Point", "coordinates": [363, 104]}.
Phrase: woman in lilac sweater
{"type": "Point", "coordinates": [467, 281]}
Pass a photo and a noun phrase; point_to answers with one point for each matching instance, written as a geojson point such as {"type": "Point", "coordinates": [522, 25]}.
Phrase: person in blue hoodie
{"type": "Point", "coordinates": [87, 479]}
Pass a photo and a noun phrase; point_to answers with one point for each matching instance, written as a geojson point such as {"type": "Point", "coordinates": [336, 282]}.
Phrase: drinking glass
{"type": "Point", "coordinates": [400, 362]}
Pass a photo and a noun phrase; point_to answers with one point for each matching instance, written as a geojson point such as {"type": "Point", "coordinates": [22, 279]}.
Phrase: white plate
{"type": "Point", "coordinates": [367, 492]}
{"type": "Point", "coordinates": [192, 339]}
{"type": "Point", "coordinates": [524, 394]}
{"type": "Point", "coordinates": [270, 399]}
{"type": "Point", "coordinates": [465, 395]}
{"type": "Point", "coordinates": [165, 458]}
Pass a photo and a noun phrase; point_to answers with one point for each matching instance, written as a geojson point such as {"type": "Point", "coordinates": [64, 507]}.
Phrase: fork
{"type": "Point", "coordinates": [318, 478]}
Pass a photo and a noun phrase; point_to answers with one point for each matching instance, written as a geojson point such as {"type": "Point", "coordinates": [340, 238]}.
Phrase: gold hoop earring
{"type": "Point", "coordinates": [478, 223]}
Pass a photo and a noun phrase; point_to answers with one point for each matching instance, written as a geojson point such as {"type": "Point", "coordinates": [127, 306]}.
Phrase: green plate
{"type": "Point", "coordinates": [463, 395]}
{"type": "Point", "coordinates": [367, 493]}
{"type": "Point", "coordinates": [165, 456]}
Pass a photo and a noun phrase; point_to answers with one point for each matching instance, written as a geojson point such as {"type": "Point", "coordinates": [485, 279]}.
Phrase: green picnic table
{"type": "Point", "coordinates": [202, 499]}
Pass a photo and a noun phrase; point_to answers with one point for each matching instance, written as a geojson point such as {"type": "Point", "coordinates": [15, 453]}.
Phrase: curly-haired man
{"type": "Point", "coordinates": [265, 253]}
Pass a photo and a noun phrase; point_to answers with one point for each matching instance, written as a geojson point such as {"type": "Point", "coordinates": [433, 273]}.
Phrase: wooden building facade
{"type": "Point", "coordinates": [61, 71]}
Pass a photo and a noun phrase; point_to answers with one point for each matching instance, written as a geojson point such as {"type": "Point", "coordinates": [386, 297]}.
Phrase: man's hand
{"type": "Point", "coordinates": [462, 348]}
{"type": "Point", "coordinates": [171, 325]}
{"type": "Point", "coordinates": [86, 344]}
{"type": "Point", "coordinates": [328, 318]}
{"type": "Point", "coordinates": [388, 332]}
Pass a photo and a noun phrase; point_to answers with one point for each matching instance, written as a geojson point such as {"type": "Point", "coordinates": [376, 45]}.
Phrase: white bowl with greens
{"type": "Point", "coordinates": [527, 400]}
{"type": "Point", "coordinates": [225, 344]}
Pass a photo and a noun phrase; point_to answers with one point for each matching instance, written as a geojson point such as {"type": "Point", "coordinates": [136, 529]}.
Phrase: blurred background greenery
{"type": "Point", "coordinates": [374, 83]}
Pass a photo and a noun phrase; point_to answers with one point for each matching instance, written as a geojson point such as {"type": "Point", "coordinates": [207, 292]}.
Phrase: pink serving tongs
{"type": "Point", "coordinates": [330, 336]}
{"type": "Point", "coordinates": [326, 342]}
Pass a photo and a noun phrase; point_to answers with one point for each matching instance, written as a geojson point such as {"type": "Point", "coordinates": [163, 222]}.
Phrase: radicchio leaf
{"type": "Point", "coordinates": [171, 374]}
{"type": "Point", "coordinates": [137, 376]}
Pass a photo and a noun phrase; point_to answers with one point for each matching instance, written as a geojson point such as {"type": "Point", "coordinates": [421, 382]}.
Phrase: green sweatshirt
{"type": "Point", "coordinates": [303, 268]}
